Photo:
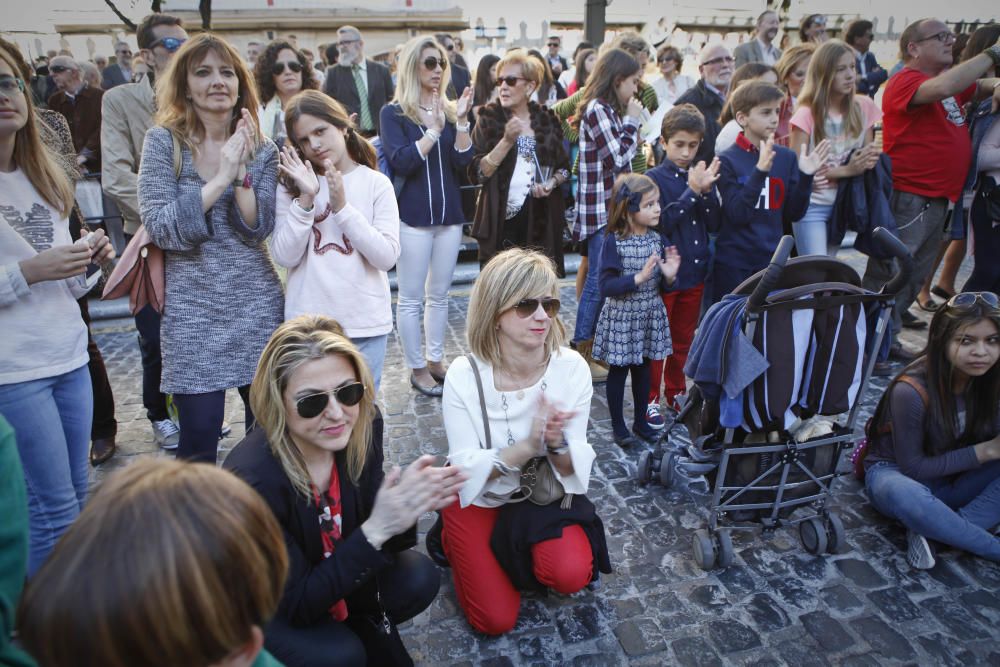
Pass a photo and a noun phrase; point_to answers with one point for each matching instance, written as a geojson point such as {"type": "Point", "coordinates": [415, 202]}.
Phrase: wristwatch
{"type": "Point", "coordinates": [563, 448]}
{"type": "Point", "coordinates": [994, 53]}
{"type": "Point", "coordinates": [245, 182]}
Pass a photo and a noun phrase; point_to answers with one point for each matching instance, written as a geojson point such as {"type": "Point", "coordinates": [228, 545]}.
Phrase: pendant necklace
{"type": "Point", "coordinates": [503, 403]}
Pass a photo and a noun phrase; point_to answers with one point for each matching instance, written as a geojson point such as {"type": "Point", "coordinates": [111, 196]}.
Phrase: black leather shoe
{"type": "Point", "coordinates": [627, 440]}
{"type": "Point", "coordinates": [101, 450]}
{"type": "Point", "coordinates": [911, 321]}
{"type": "Point", "coordinates": [433, 543]}
{"type": "Point", "coordinates": [899, 353]}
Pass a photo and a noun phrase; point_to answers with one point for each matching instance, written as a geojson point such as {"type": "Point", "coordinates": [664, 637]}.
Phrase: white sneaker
{"type": "Point", "coordinates": [918, 551]}
{"type": "Point", "coordinates": [166, 434]}
{"type": "Point", "coordinates": [226, 430]}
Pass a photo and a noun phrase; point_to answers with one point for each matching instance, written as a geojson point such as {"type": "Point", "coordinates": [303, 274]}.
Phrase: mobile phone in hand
{"type": "Point", "coordinates": [93, 271]}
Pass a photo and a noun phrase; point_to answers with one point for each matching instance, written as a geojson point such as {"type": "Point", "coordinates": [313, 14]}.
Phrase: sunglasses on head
{"type": "Point", "coordinates": [511, 81]}
{"type": "Point", "coordinates": [314, 404]}
{"type": "Point", "coordinates": [968, 300]}
{"type": "Point", "coordinates": [171, 44]}
{"type": "Point", "coordinates": [527, 307]}
{"type": "Point", "coordinates": [432, 63]}
{"type": "Point", "coordinates": [279, 68]}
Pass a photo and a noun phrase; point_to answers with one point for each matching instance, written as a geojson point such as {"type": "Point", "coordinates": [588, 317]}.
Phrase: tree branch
{"type": "Point", "coordinates": [124, 19]}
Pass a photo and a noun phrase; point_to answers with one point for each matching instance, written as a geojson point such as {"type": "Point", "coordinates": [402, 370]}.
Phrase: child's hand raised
{"type": "Point", "coordinates": [702, 178]}
{"type": "Point", "coordinates": [300, 173]}
{"type": "Point", "coordinates": [766, 158]}
{"type": "Point", "coordinates": [670, 263]}
{"type": "Point", "coordinates": [335, 182]}
{"type": "Point", "coordinates": [648, 269]}
{"type": "Point", "coordinates": [810, 164]}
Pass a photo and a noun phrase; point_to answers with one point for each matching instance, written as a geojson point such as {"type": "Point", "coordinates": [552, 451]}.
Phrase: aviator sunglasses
{"type": "Point", "coordinates": [171, 44]}
{"type": "Point", "coordinates": [526, 307]}
{"type": "Point", "coordinates": [967, 300]}
{"type": "Point", "coordinates": [432, 63]}
{"type": "Point", "coordinates": [279, 68]}
{"type": "Point", "coordinates": [314, 404]}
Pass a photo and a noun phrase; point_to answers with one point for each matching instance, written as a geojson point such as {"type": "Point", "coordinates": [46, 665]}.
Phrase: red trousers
{"type": "Point", "coordinates": [683, 309]}
{"type": "Point", "coordinates": [485, 593]}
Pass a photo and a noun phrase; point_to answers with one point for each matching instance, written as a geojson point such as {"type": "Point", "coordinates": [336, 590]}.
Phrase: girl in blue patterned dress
{"type": "Point", "coordinates": [632, 329]}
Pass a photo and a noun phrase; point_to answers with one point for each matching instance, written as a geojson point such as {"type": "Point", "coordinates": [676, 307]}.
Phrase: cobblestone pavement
{"type": "Point", "coordinates": [776, 605]}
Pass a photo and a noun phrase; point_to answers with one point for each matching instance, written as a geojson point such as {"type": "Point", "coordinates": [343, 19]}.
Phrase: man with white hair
{"type": "Point", "coordinates": [121, 71]}
{"type": "Point", "coordinates": [362, 85]}
{"type": "Point", "coordinates": [253, 52]}
{"type": "Point", "coordinates": [715, 63]}
{"type": "Point", "coordinates": [760, 49]}
{"type": "Point", "coordinates": [81, 105]}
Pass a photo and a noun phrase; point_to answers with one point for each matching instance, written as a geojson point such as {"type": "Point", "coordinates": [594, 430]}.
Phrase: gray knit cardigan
{"type": "Point", "coordinates": [223, 296]}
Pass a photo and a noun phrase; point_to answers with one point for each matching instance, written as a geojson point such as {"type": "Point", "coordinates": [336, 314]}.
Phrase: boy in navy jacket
{"type": "Point", "coordinates": [763, 186]}
{"type": "Point", "coordinates": [689, 206]}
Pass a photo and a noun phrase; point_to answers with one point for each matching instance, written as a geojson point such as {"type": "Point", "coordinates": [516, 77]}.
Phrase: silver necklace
{"type": "Point", "coordinates": [506, 415]}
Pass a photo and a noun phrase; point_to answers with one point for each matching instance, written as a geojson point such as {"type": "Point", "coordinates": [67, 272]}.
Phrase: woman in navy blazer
{"type": "Point", "coordinates": [425, 138]}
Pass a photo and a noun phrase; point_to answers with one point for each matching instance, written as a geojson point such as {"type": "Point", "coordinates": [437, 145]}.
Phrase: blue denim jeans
{"type": "Point", "coordinates": [957, 511]}
{"type": "Point", "coordinates": [51, 419]}
{"type": "Point", "coordinates": [590, 304]}
{"type": "Point", "coordinates": [373, 349]}
{"type": "Point", "coordinates": [811, 233]}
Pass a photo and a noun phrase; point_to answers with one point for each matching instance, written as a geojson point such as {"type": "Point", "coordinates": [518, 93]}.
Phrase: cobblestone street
{"type": "Point", "coordinates": [776, 605]}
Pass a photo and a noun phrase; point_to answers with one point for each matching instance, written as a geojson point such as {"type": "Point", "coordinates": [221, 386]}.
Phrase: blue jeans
{"type": "Point", "coordinates": [810, 232]}
{"type": "Point", "coordinates": [590, 304]}
{"type": "Point", "coordinates": [373, 349]}
{"type": "Point", "coordinates": [51, 419]}
{"type": "Point", "coordinates": [958, 511]}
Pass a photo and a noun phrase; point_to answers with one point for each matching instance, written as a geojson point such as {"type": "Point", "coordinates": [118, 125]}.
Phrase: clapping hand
{"type": "Point", "coordinates": [464, 105]}
{"type": "Point", "coordinates": [702, 178]}
{"type": "Point", "coordinates": [514, 128]}
{"type": "Point", "coordinates": [437, 117]}
{"type": "Point", "coordinates": [335, 183]}
{"type": "Point", "coordinates": [301, 174]}
{"type": "Point", "coordinates": [647, 269]}
{"type": "Point", "coordinates": [670, 263]}
{"type": "Point", "coordinates": [810, 163]}
{"type": "Point", "coordinates": [766, 158]}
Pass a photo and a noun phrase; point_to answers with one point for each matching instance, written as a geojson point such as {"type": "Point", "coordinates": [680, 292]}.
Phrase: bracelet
{"type": "Point", "coordinates": [994, 53]}
{"type": "Point", "coordinates": [462, 127]}
{"type": "Point", "coordinates": [245, 182]}
{"type": "Point", "coordinates": [502, 467]}
{"type": "Point", "coordinates": [490, 161]}
{"type": "Point", "coordinates": [433, 134]}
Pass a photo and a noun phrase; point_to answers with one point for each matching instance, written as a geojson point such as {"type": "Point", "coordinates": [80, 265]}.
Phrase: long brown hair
{"type": "Point", "coordinates": [582, 74]}
{"type": "Point", "coordinates": [611, 68]}
{"type": "Point", "coordinates": [34, 158]}
{"type": "Point", "coordinates": [198, 561]}
{"type": "Point", "coordinates": [815, 94]}
{"type": "Point", "coordinates": [316, 104]}
{"type": "Point", "coordinates": [173, 109]}
{"type": "Point", "coordinates": [296, 342]}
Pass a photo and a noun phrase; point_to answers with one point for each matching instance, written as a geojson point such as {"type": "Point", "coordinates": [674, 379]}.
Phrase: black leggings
{"type": "Point", "coordinates": [616, 394]}
{"type": "Point", "coordinates": [407, 588]}
{"type": "Point", "coordinates": [201, 417]}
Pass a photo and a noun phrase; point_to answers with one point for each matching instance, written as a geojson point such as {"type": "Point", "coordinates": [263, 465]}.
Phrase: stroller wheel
{"type": "Point", "coordinates": [812, 532]}
{"type": "Point", "coordinates": [645, 471]}
{"type": "Point", "coordinates": [704, 552]}
{"type": "Point", "coordinates": [667, 465]}
{"type": "Point", "coordinates": [725, 541]}
{"type": "Point", "coordinates": [836, 538]}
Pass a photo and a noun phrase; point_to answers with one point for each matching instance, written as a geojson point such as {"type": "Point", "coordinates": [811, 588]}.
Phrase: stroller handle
{"type": "Point", "coordinates": [891, 245]}
{"type": "Point", "coordinates": [772, 275]}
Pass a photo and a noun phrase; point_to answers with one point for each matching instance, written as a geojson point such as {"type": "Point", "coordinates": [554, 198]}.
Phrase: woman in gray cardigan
{"type": "Point", "coordinates": [207, 183]}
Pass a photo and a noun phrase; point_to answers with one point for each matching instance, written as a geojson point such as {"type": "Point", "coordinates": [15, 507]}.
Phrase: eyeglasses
{"type": "Point", "coordinates": [314, 404]}
{"type": "Point", "coordinates": [526, 307]}
{"type": "Point", "coordinates": [511, 81]}
{"type": "Point", "coordinates": [59, 69]}
{"type": "Point", "coordinates": [450, 47]}
{"type": "Point", "coordinates": [968, 300]}
{"type": "Point", "coordinates": [432, 63]}
{"type": "Point", "coordinates": [944, 37]}
{"type": "Point", "coordinates": [171, 44]}
{"type": "Point", "coordinates": [729, 60]}
{"type": "Point", "coordinates": [341, 44]}
{"type": "Point", "coordinates": [668, 59]}
{"type": "Point", "coordinates": [10, 85]}
{"type": "Point", "coordinates": [554, 44]}
{"type": "Point", "coordinates": [279, 68]}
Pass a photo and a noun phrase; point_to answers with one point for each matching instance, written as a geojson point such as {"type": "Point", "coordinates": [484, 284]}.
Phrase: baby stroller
{"type": "Point", "coordinates": [795, 346]}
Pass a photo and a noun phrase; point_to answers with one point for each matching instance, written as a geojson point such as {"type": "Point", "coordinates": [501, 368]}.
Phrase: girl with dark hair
{"type": "Point", "coordinates": [813, 29]}
{"type": "Point", "coordinates": [282, 71]}
{"type": "Point", "coordinates": [336, 224]}
{"type": "Point", "coordinates": [484, 88]}
{"type": "Point", "coordinates": [933, 461]}
{"type": "Point", "coordinates": [585, 61]}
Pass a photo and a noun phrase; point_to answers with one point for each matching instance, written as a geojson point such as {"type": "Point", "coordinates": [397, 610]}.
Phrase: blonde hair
{"type": "Point", "coordinates": [196, 557]}
{"type": "Point", "coordinates": [32, 156]}
{"type": "Point", "coordinates": [815, 92]}
{"type": "Point", "coordinates": [531, 67]}
{"type": "Point", "coordinates": [408, 80]}
{"type": "Point", "coordinates": [510, 276]}
{"type": "Point", "coordinates": [297, 341]}
{"type": "Point", "coordinates": [174, 110]}
{"type": "Point", "coordinates": [790, 58]}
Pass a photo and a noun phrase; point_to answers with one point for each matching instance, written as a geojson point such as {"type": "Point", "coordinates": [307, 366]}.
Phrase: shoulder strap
{"type": "Point", "coordinates": [177, 155]}
{"type": "Point", "coordinates": [918, 386]}
{"type": "Point", "coordinates": [482, 399]}
{"type": "Point", "coordinates": [886, 425]}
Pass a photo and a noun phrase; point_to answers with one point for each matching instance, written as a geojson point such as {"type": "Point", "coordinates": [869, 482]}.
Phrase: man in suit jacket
{"type": "Point", "coordinates": [556, 61]}
{"type": "Point", "coordinates": [121, 72]}
{"type": "Point", "coordinates": [461, 78]}
{"type": "Point", "coordinates": [81, 105]}
{"type": "Point", "coordinates": [761, 48]}
{"type": "Point", "coordinates": [871, 76]}
{"type": "Point", "coordinates": [355, 78]}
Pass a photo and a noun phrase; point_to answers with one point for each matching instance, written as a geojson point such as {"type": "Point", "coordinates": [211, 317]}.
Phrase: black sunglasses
{"type": "Point", "coordinates": [432, 63]}
{"type": "Point", "coordinates": [509, 80]}
{"type": "Point", "coordinates": [59, 69]}
{"type": "Point", "coordinates": [171, 44]}
{"type": "Point", "coordinates": [527, 307]}
{"type": "Point", "coordinates": [279, 68]}
{"type": "Point", "coordinates": [968, 300]}
{"type": "Point", "coordinates": [314, 404]}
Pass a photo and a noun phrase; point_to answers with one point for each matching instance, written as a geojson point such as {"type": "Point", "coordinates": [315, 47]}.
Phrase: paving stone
{"type": "Point", "coordinates": [955, 617]}
{"type": "Point", "coordinates": [827, 631]}
{"type": "Point", "coordinates": [894, 603]}
{"type": "Point", "coordinates": [499, 661]}
{"type": "Point", "coordinates": [862, 660]}
{"type": "Point", "coordinates": [766, 613]}
{"type": "Point", "coordinates": [640, 637]}
{"type": "Point", "coordinates": [841, 600]}
{"type": "Point", "coordinates": [801, 653]}
{"type": "Point", "coordinates": [942, 650]}
{"type": "Point", "coordinates": [695, 652]}
{"type": "Point", "coordinates": [794, 592]}
{"type": "Point", "coordinates": [709, 597]}
{"type": "Point", "coordinates": [730, 636]}
{"type": "Point", "coordinates": [546, 647]}
{"type": "Point", "coordinates": [860, 573]}
{"type": "Point", "coordinates": [883, 638]}
{"type": "Point", "coordinates": [737, 580]}
{"type": "Point", "coordinates": [578, 623]}
{"type": "Point", "coordinates": [986, 604]}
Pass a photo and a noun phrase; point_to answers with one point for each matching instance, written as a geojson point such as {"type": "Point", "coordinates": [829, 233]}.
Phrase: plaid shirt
{"type": "Point", "coordinates": [607, 145]}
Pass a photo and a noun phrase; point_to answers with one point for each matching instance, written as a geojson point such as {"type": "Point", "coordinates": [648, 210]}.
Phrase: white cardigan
{"type": "Point", "coordinates": [352, 289]}
{"type": "Point", "coordinates": [568, 387]}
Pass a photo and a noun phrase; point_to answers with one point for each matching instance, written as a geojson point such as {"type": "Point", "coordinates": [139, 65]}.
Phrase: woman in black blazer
{"type": "Point", "coordinates": [316, 458]}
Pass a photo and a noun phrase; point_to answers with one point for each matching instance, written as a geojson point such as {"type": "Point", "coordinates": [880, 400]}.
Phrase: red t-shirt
{"type": "Point", "coordinates": [929, 144]}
